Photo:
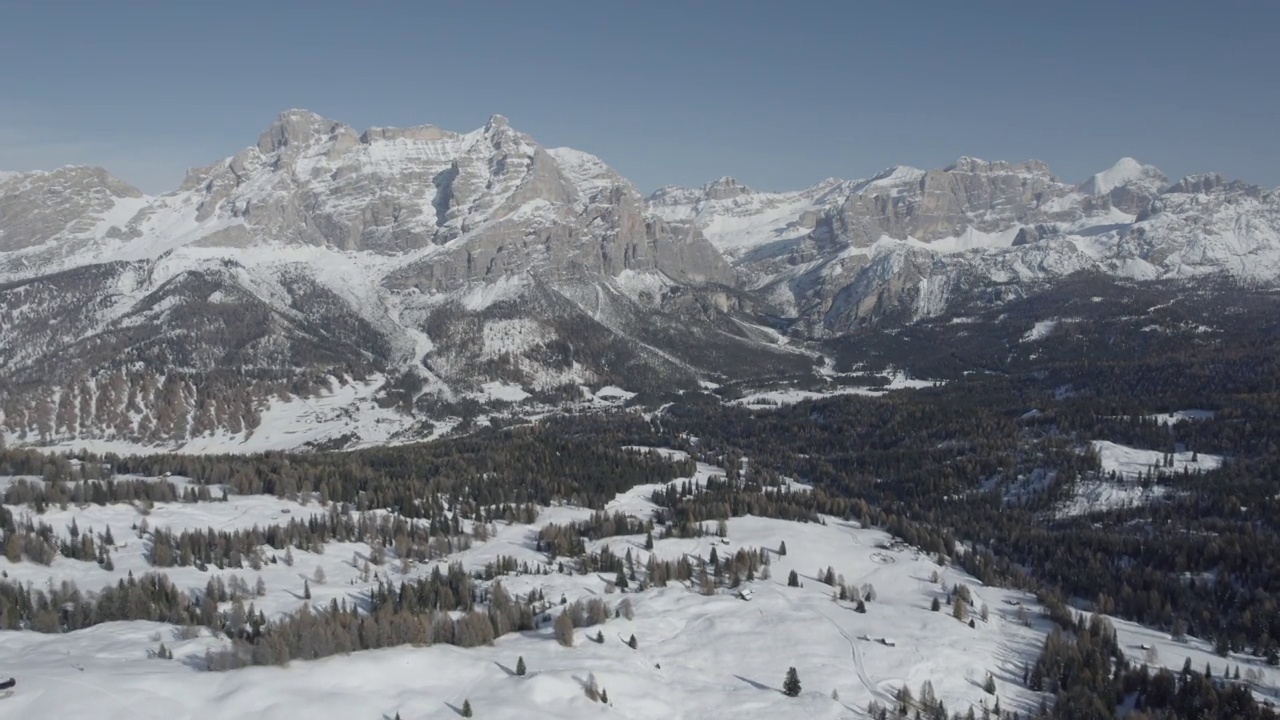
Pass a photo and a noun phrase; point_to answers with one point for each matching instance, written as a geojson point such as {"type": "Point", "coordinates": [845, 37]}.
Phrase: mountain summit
{"type": "Point", "coordinates": [414, 274]}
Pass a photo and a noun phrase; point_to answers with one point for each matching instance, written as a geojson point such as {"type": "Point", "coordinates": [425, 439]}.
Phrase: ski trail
{"type": "Point", "coordinates": [858, 663]}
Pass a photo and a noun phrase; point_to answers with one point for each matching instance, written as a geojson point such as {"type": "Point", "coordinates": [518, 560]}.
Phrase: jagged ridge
{"type": "Point", "coordinates": [435, 264]}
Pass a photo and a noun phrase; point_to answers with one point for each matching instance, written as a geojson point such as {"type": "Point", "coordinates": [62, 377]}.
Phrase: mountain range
{"type": "Point", "coordinates": [329, 287]}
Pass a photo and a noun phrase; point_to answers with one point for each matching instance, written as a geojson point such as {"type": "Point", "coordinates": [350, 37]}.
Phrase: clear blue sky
{"type": "Point", "coordinates": [777, 94]}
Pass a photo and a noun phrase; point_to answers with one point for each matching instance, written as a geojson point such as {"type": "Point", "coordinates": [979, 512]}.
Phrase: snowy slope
{"type": "Point", "coordinates": [696, 655]}
{"type": "Point", "coordinates": [1133, 462]}
{"type": "Point", "coordinates": [737, 219]}
{"type": "Point", "coordinates": [1126, 171]}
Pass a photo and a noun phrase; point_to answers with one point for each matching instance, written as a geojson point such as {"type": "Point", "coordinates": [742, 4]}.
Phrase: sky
{"type": "Point", "coordinates": [777, 94]}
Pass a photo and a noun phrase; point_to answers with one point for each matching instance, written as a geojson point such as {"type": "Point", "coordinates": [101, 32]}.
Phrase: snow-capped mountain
{"type": "Point", "coordinates": [366, 282]}
{"type": "Point", "coordinates": [431, 270]}
{"type": "Point", "coordinates": [909, 239]}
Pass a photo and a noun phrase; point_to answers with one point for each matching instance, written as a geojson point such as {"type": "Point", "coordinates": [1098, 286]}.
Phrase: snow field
{"type": "Point", "coordinates": [716, 653]}
{"type": "Point", "coordinates": [790, 396]}
{"type": "Point", "coordinates": [1131, 462]}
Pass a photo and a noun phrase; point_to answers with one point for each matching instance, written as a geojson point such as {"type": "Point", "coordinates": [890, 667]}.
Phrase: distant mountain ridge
{"type": "Point", "coordinates": [435, 274]}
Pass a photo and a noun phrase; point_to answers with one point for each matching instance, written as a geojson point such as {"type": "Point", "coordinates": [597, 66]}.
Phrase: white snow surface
{"type": "Point", "coordinates": [1125, 171]}
{"type": "Point", "coordinates": [1178, 416]}
{"type": "Point", "coordinates": [715, 653]}
{"type": "Point", "coordinates": [791, 396]}
{"type": "Point", "coordinates": [1098, 495]}
{"type": "Point", "coordinates": [1128, 462]}
{"type": "Point", "coordinates": [1041, 331]}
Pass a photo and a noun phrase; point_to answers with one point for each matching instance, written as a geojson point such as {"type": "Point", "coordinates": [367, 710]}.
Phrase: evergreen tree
{"type": "Point", "coordinates": [936, 605]}
{"type": "Point", "coordinates": [466, 708]}
{"type": "Point", "coordinates": [791, 685]}
{"type": "Point", "coordinates": [631, 643]}
{"type": "Point", "coordinates": [793, 580]}
{"type": "Point", "coordinates": [520, 668]}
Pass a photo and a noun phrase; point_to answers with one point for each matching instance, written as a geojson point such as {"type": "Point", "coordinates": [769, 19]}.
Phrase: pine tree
{"type": "Point", "coordinates": [793, 580]}
{"type": "Point", "coordinates": [466, 708]}
{"type": "Point", "coordinates": [604, 696]}
{"type": "Point", "coordinates": [990, 685]}
{"type": "Point", "coordinates": [791, 685]}
{"type": "Point", "coordinates": [520, 668]}
{"type": "Point", "coordinates": [306, 590]}
{"type": "Point", "coordinates": [936, 605]}
{"type": "Point", "coordinates": [782, 548]}
{"type": "Point", "coordinates": [631, 643]}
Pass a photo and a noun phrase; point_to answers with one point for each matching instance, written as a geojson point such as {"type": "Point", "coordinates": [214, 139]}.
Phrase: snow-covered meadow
{"type": "Point", "coordinates": [696, 656]}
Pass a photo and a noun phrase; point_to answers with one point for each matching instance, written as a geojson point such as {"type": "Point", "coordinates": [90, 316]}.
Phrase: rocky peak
{"type": "Point", "coordinates": [296, 127]}
{"type": "Point", "coordinates": [39, 206]}
{"type": "Point", "coordinates": [1211, 183]}
{"type": "Point", "coordinates": [495, 123]}
{"type": "Point", "coordinates": [421, 133]}
{"type": "Point", "coordinates": [724, 188]}
{"type": "Point", "coordinates": [673, 195]}
{"type": "Point", "coordinates": [974, 165]}
{"type": "Point", "coordinates": [1129, 184]}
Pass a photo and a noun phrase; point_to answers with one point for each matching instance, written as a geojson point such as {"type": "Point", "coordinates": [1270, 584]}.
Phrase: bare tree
{"type": "Point", "coordinates": [564, 629]}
